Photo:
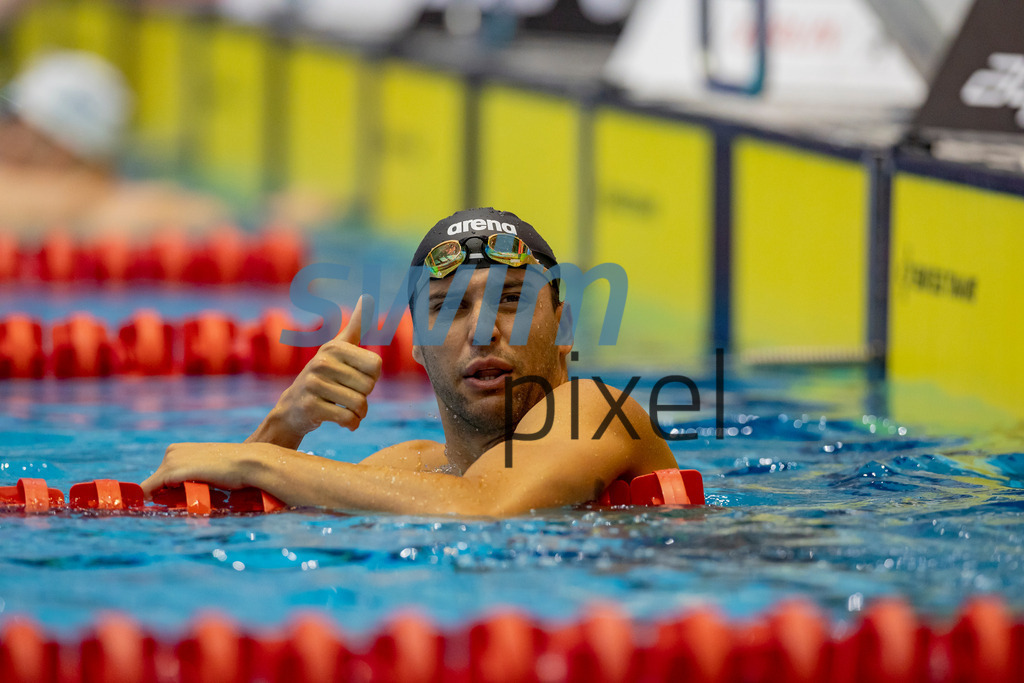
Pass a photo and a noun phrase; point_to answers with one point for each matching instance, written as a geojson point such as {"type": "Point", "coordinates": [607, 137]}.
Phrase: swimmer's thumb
{"type": "Point", "coordinates": [352, 331]}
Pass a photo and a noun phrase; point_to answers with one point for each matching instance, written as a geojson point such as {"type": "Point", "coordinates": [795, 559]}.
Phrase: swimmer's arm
{"type": "Point", "coordinates": [420, 456]}
{"type": "Point", "coordinates": [303, 480]}
{"type": "Point", "coordinates": [553, 471]}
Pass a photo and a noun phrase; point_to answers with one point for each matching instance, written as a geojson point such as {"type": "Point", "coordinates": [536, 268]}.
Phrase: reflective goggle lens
{"type": "Point", "coordinates": [444, 258]}
{"type": "Point", "coordinates": [506, 249]}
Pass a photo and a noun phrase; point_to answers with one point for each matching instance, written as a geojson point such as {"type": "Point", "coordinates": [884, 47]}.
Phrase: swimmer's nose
{"type": "Point", "coordinates": [483, 323]}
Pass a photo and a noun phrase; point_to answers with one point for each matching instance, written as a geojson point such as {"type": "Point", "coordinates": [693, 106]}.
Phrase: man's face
{"type": "Point", "coordinates": [469, 378]}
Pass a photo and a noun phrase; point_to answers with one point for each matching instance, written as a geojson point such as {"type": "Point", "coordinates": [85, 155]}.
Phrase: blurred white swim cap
{"type": "Point", "coordinates": [77, 99]}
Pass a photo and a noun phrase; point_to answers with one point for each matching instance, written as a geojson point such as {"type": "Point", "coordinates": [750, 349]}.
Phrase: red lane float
{"type": "Point", "coordinates": [211, 346]}
{"type": "Point", "coordinates": [21, 347]}
{"type": "Point", "coordinates": [409, 649]}
{"type": "Point", "coordinates": [59, 260]}
{"type": "Point", "coordinates": [110, 259]}
{"type": "Point", "coordinates": [117, 650]}
{"type": "Point", "coordinates": [275, 258]}
{"type": "Point", "coordinates": [148, 344]}
{"type": "Point", "coordinates": [601, 648]}
{"type": "Point", "coordinates": [225, 255]}
{"type": "Point", "coordinates": [191, 496]}
{"type": "Point", "coordinates": [199, 498]}
{"type": "Point", "coordinates": [697, 646]}
{"type": "Point", "coordinates": [26, 654]}
{"type": "Point", "coordinates": [82, 348]}
{"type": "Point", "coordinates": [31, 496]}
{"type": "Point", "coordinates": [269, 355]}
{"type": "Point", "coordinates": [211, 343]}
{"type": "Point", "coordinates": [313, 651]}
{"type": "Point", "coordinates": [980, 645]}
{"type": "Point", "coordinates": [165, 259]}
{"type": "Point", "coordinates": [663, 487]}
{"type": "Point", "coordinates": [106, 494]}
{"type": "Point", "coordinates": [217, 261]}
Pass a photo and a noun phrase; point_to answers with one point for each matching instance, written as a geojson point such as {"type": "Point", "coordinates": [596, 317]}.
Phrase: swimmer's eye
{"type": "Point", "coordinates": [511, 298]}
{"type": "Point", "coordinates": [438, 305]}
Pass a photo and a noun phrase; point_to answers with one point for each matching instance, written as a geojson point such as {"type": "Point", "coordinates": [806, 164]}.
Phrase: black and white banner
{"type": "Point", "coordinates": [980, 86]}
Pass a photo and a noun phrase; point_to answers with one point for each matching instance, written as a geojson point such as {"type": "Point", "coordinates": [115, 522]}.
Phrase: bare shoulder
{"type": "Point", "coordinates": [600, 420]}
{"type": "Point", "coordinates": [619, 413]}
{"type": "Point", "coordinates": [571, 446]}
{"type": "Point", "coordinates": [419, 455]}
{"type": "Point", "coordinates": [597, 409]}
{"type": "Point", "coordinates": [604, 402]}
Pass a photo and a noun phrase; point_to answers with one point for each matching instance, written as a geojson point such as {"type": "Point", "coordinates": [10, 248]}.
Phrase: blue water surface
{"type": "Point", "coordinates": [826, 500]}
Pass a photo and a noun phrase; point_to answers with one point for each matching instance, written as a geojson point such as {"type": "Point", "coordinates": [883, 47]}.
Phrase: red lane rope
{"type": "Point", "coordinates": [32, 496]}
{"type": "Point", "coordinates": [226, 255]}
{"type": "Point", "coordinates": [211, 343]}
{"type": "Point", "coordinates": [790, 643]}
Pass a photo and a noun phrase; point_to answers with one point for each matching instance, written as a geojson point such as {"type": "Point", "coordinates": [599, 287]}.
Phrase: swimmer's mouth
{"type": "Point", "coordinates": [487, 370]}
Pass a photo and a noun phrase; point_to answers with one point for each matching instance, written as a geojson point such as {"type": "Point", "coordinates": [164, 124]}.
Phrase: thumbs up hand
{"type": "Point", "coordinates": [333, 387]}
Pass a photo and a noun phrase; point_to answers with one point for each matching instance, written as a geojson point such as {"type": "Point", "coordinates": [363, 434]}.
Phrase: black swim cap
{"type": "Point", "coordinates": [483, 222]}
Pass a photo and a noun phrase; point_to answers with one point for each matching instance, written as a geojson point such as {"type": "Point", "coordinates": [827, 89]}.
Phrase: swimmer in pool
{"type": "Point", "coordinates": [467, 474]}
{"type": "Point", "coordinates": [63, 122]}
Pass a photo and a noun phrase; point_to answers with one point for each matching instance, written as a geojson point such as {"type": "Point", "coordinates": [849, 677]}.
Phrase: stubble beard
{"type": "Point", "coordinates": [492, 421]}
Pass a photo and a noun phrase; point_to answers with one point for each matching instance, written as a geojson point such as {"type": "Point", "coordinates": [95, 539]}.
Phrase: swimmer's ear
{"type": "Point", "coordinates": [566, 326]}
{"type": "Point", "coordinates": [417, 354]}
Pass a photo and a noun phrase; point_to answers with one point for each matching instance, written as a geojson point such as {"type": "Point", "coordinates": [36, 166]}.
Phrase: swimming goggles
{"type": "Point", "coordinates": [444, 258]}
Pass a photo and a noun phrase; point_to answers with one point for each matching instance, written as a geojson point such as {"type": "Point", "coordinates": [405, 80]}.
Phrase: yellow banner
{"type": "Point", "coordinates": [653, 216]}
{"type": "Point", "coordinates": [103, 27]}
{"type": "Point", "coordinates": [42, 26]}
{"type": "Point", "coordinates": [529, 161]}
{"type": "Point", "coordinates": [232, 150]}
{"type": "Point", "coordinates": [957, 290]}
{"type": "Point", "coordinates": [421, 174]}
{"type": "Point", "coordinates": [160, 86]}
{"type": "Point", "coordinates": [800, 253]}
{"type": "Point", "coordinates": [323, 146]}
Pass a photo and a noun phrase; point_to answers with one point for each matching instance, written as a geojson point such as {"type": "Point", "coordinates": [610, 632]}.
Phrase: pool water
{"type": "Point", "coordinates": [813, 492]}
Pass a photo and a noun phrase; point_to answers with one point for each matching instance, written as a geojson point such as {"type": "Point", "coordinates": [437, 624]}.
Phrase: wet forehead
{"type": "Point", "coordinates": [514, 278]}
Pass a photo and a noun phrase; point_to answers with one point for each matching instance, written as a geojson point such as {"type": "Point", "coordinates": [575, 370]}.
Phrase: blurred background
{"type": "Point", "coordinates": [797, 181]}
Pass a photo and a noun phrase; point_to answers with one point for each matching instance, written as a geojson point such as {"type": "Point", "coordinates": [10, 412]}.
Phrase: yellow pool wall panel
{"type": "Point", "coordinates": [42, 26]}
{"type": "Point", "coordinates": [800, 252]}
{"type": "Point", "coordinates": [161, 73]}
{"type": "Point", "coordinates": [528, 160]}
{"type": "Point", "coordinates": [323, 153]}
{"type": "Point", "coordinates": [28, 33]}
{"type": "Point", "coordinates": [231, 150]}
{"type": "Point", "coordinates": [104, 27]}
{"type": "Point", "coordinates": [956, 296]}
{"type": "Point", "coordinates": [652, 215]}
{"type": "Point", "coordinates": [421, 160]}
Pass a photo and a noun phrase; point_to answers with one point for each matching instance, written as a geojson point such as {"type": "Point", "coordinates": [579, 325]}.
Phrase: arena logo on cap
{"type": "Point", "coordinates": [480, 225]}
